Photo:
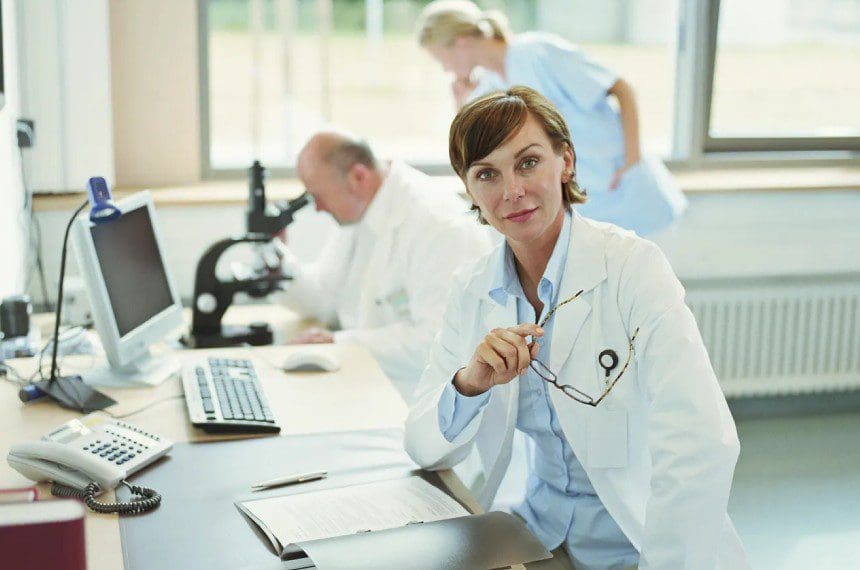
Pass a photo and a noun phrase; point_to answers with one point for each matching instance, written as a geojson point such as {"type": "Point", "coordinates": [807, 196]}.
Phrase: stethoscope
{"type": "Point", "coordinates": [608, 360]}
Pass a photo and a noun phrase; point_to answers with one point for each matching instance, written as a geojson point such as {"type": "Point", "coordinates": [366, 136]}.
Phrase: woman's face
{"type": "Point", "coordinates": [455, 58]}
{"type": "Point", "coordinates": [518, 185]}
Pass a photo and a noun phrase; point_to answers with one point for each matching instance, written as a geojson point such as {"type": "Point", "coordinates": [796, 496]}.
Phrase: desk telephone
{"type": "Point", "coordinates": [85, 458]}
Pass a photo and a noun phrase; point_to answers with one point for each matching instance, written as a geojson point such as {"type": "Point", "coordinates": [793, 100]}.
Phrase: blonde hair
{"type": "Point", "coordinates": [443, 21]}
{"type": "Point", "coordinates": [486, 123]}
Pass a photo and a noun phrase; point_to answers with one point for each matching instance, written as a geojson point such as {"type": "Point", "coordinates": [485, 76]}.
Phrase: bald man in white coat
{"type": "Point", "coordinates": [383, 280]}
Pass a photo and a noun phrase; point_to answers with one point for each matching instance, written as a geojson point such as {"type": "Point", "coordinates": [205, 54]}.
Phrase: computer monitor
{"type": "Point", "coordinates": [134, 301]}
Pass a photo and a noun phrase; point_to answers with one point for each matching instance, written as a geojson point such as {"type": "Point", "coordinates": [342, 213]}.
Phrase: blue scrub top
{"type": "Point", "coordinates": [647, 198]}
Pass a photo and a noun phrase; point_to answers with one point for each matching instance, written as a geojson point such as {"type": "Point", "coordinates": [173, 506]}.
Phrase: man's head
{"type": "Point", "coordinates": [341, 173]}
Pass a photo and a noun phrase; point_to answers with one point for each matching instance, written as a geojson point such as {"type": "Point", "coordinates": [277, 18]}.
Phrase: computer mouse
{"type": "Point", "coordinates": [310, 360]}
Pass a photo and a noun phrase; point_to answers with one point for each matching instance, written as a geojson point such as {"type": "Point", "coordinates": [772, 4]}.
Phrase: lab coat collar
{"type": "Point", "coordinates": [586, 257]}
{"type": "Point", "coordinates": [585, 267]}
{"type": "Point", "coordinates": [506, 282]}
{"type": "Point", "coordinates": [505, 272]}
{"type": "Point", "coordinates": [386, 209]}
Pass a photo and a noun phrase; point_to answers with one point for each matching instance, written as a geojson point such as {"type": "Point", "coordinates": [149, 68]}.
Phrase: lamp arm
{"type": "Point", "coordinates": [60, 290]}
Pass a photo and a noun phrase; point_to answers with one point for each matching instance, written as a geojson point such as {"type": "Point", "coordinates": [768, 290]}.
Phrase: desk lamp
{"type": "Point", "coordinates": [70, 391]}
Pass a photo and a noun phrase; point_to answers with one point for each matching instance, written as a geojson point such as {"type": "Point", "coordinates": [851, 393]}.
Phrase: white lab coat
{"type": "Point", "coordinates": [665, 479]}
{"type": "Point", "coordinates": [385, 280]}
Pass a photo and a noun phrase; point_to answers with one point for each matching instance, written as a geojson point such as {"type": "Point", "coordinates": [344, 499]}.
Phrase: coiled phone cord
{"type": "Point", "coordinates": [146, 500]}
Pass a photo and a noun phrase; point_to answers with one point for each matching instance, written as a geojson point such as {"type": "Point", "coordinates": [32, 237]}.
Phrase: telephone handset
{"type": "Point", "coordinates": [85, 458]}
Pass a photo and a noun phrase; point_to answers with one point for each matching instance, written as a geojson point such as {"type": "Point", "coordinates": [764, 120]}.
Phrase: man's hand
{"type": "Point", "coordinates": [313, 335]}
{"type": "Point", "coordinates": [501, 356]}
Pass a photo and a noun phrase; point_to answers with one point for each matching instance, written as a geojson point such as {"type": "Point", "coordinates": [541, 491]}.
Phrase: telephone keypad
{"type": "Point", "coordinates": [116, 451]}
{"type": "Point", "coordinates": [119, 450]}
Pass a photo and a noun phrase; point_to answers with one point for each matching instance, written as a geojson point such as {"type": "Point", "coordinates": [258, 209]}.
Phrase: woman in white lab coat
{"type": "Point", "coordinates": [634, 444]}
{"type": "Point", "coordinates": [624, 187]}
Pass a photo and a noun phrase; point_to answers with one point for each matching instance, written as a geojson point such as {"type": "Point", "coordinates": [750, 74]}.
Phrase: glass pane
{"type": "Point", "coordinates": [787, 68]}
{"type": "Point", "coordinates": [269, 88]}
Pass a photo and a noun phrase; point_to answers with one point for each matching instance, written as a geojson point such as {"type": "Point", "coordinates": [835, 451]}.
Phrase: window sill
{"type": "Point", "coordinates": [769, 179]}
{"type": "Point", "coordinates": [234, 192]}
{"type": "Point", "coordinates": [208, 193]}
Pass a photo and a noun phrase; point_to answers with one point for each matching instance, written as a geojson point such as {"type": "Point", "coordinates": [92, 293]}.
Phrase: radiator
{"type": "Point", "coordinates": [776, 337]}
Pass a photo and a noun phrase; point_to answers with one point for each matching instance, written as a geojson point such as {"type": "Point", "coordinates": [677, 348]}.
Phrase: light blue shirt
{"type": "Point", "coordinates": [647, 199]}
{"type": "Point", "coordinates": [561, 504]}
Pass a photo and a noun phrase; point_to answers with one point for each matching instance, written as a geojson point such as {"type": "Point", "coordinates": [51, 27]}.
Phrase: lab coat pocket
{"type": "Point", "coordinates": [395, 305]}
{"type": "Point", "coordinates": [607, 439]}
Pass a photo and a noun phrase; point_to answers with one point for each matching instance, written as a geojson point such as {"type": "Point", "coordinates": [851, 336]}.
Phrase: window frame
{"type": "Point", "coordinates": [827, 145]}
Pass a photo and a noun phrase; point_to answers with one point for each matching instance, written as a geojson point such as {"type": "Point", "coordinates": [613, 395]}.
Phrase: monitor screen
{"type": "Point", "coordinates": [132, 267]}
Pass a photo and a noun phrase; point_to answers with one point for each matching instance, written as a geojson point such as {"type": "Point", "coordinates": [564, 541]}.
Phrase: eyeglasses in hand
{"type": "Point", "coordinates": [549, 376]}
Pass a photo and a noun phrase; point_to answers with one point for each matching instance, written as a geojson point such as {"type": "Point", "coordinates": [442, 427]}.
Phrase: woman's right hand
{"type": "Point", "coordinates": [462, 87]}
{"type": "Point", "coordinates": [501, 356]}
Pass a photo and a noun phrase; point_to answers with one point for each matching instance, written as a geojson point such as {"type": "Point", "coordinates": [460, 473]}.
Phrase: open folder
{"type": "Point", "coordinates": [400, 523]}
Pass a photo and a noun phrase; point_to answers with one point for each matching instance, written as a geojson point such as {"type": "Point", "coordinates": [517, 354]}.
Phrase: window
{"type": "Point", "coordinates": [786, 76]}
{"type": "Point", "coordinates": [281, 69]}
{"type": "Point", "coordinates": [710, 75]}
{"type": "Point", "coordinates": [277, 70]}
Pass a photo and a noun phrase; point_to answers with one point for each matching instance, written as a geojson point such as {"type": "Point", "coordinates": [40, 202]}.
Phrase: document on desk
{"type": "Point", "coordinates": [369, 507]}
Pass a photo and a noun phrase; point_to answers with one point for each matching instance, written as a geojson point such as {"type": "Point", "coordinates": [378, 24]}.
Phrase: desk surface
{"type": "Point", "coordinates": [358, 396]}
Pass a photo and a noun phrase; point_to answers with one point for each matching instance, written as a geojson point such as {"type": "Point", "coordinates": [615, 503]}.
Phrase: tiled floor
{"type": "Point", "coordinates": [796, 494]}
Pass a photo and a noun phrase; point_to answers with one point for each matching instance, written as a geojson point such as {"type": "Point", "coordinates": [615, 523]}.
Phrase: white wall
{"type": "Point", "coordinates": [156, 98]}
{"type": "Point", "coordinates": [66, 89]}
{"type": "Point", "coordinates": [755, 234]}
{"type": "Point", "coordinates": [722, 235]}
{"type": "Point", "coordinates": [12, 219]}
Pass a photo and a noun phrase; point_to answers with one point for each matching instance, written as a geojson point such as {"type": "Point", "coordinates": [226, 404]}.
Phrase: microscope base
{"type": "Point", "coordinates": [257, 334]}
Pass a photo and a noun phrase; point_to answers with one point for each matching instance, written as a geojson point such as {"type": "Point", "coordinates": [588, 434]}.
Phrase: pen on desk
{"type": "Point", "coordinates": [289, 480]}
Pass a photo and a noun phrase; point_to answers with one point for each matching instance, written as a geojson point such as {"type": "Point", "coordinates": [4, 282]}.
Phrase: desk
{"type": "Point", "coordinates": [358, 396]}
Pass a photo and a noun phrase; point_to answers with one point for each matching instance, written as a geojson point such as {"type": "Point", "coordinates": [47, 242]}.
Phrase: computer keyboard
{"type": "Point", "coordinates": [224, 395]}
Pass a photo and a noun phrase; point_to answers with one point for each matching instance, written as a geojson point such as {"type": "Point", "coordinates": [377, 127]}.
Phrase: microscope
{"type": "Point", "coordinates": [213, 296]}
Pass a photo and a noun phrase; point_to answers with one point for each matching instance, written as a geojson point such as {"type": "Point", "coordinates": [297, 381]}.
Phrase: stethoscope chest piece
{"type": "Point", "coordinates": [608, 360]}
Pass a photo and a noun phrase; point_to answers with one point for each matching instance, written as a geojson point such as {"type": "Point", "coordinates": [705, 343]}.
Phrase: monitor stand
{"type": "Point", "coordinates": [148, 370]}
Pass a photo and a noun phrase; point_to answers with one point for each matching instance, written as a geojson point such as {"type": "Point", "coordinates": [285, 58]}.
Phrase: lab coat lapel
{"type": "Point", "coordinates": [499, 316]}
{"type": "Point", "coordinates": [584, 270]}
{"type": "Point", "coordinates": [495, 444]}
{"type": "Point", "coordinates": [378, 275]}
{"type": "Point", "coordinates": [375, 277]}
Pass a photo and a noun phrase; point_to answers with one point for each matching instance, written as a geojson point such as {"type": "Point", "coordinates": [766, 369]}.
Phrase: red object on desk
{"type": "Point", "coordinates": [19, 495]}
{"type": "Point", "coordinates": [42, 535]}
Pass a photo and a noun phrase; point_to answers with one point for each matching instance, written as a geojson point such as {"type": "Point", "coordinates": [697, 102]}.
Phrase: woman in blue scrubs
{"type": "Point", "coordinates": [625, 188]}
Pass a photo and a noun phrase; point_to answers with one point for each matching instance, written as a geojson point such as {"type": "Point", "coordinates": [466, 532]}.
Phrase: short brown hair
{"type": "Point", "coordinates": [486, 123]}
